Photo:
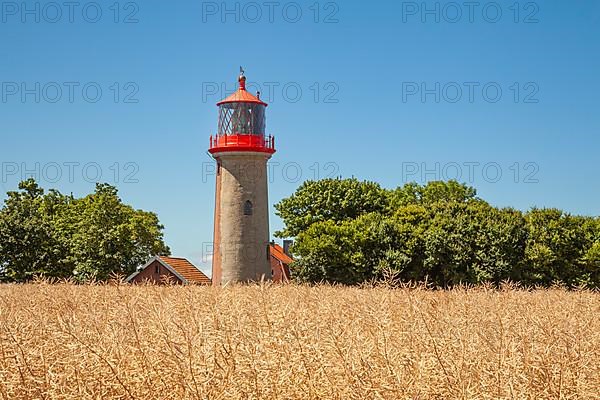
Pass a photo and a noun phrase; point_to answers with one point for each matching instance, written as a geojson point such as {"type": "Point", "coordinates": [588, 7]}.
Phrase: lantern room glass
{"type": "Point", "coordinates": [242, 119]}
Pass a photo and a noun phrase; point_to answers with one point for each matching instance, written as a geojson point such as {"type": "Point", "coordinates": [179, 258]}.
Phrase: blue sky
{"type": "Point", "coordinates": [500, 95]}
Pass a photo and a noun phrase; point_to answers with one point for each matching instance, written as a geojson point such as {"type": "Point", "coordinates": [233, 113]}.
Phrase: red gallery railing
{"type": "Point", "coordinates": [265, 144]}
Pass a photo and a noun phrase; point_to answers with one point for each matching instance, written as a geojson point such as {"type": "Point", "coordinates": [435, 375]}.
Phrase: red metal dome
{"type": "Point", "coordinates": [242, 95]}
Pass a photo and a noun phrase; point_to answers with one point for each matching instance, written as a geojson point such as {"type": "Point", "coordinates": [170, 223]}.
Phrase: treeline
{"type": "Point", "coordinates": [347, 231]}
{"type": "Point", "coordinates": [52, 235]}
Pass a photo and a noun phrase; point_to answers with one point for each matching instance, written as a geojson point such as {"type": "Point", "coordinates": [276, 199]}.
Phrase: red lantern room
{"type": "Point", "coordinates": [242, 123]}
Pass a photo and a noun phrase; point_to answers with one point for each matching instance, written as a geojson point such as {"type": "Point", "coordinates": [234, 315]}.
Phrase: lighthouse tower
{"type": "Point", "coordinates": [241, 149]}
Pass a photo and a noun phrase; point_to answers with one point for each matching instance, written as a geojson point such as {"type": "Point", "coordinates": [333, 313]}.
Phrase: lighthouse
{"type": "Point", "coordinates": [241, 149]}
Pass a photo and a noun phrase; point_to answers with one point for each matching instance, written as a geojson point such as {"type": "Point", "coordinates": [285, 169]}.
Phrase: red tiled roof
{"type": "Point", "coordinates": [187, 270]}
{"type": "Point", "coordinates": [277, 252]}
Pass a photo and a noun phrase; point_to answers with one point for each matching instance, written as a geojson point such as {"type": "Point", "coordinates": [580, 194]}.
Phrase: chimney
{"type": "Point", "coordinates": [286, 247]}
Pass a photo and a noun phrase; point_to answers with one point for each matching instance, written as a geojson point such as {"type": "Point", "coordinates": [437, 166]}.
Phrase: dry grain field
{"type": "Point", "coordinates": [295, 342]}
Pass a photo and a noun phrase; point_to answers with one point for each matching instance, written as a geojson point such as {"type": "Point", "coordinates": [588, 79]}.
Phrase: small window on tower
{"type": "Point", "coordinates": [248, 208]}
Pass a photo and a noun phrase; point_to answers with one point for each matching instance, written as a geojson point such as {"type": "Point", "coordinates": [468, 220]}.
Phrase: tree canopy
{"type": "Point", "coordinates": [349, 232]}
{"type": "Point", "coordinates": [329, 200]}
{"type": "Point", "coordinates": [58, 236]}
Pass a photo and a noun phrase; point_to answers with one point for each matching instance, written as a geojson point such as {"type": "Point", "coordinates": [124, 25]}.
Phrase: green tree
{"type": "Point", "coordinates": [590, 261]}
{"type": "Point", "coordinates": [328, 200]}
{"type": "Point", "coordinates": [60, 236]}
{"type": "Point", "coordinates": [108, 236]}
{"type": "Point", "coordinates": [430, 193]}
{"type": "Point", "coordinates": [348, 232]}
{"type": "Point", "coordinates": [347, 252]}
{"type": "Point", "coordinates": [559, 248]}
{"type": "Point", "coordinates": [472, 243]}
{"type": "Point", "coordinates": [404, 251]}
{"type": "Point", "coordinates": [28, 244]}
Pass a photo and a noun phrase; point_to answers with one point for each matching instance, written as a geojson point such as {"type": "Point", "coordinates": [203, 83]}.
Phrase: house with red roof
{"type": "Point", "coordinates": [280, 262]}
{"type": "Point", "coordinates": [161, 269]}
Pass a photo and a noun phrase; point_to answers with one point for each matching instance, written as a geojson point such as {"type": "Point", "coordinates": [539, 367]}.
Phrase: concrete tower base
{"type": "Point", "coordinates": [241, 237]}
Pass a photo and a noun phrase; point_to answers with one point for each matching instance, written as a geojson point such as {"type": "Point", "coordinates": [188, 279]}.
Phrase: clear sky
{"type": "Point", "coordinates": [500, 95]}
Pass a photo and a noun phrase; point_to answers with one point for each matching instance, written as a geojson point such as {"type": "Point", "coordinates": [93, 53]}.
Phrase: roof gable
{"type": "Point", "coordinates": [278, 253]}
{"type": "Point", "coordinates": [164, 264]}
{"type": "Point", "coordinates": [186, 269]}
